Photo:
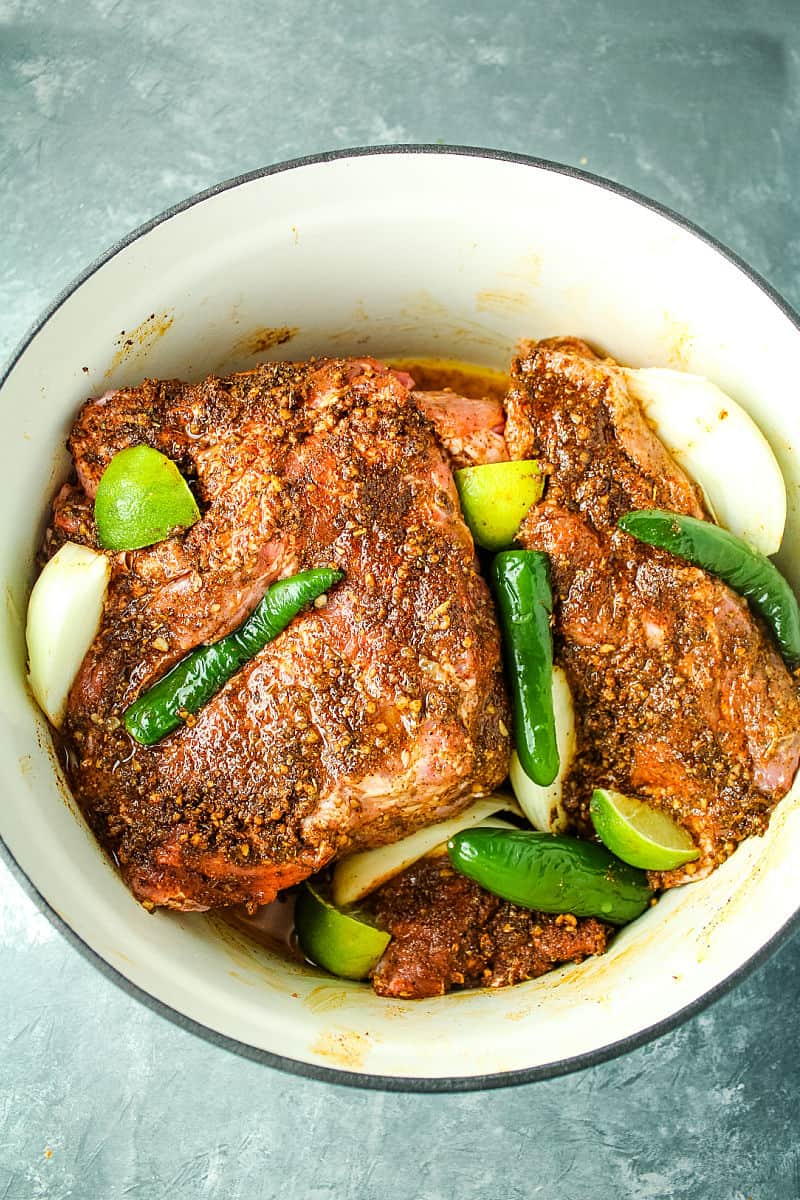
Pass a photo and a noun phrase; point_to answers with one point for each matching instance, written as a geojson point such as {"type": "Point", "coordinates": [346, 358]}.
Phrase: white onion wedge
{"type": "Point", "coordinates": [486, 823]}
{"type": "Point", "coordinates": [542, 805]}
{"type": "Point", "coordinates": [359, 874]}
{"type": "Point", "coordinates": [64, 613]}
{"type": "Point", "coordinates": [720, 447]}
{"type": "Point", "coordinates": [494, 823]}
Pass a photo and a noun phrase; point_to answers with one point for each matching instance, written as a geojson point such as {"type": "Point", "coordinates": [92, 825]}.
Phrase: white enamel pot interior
{"type": "Point", "coordinates": [418, 251]}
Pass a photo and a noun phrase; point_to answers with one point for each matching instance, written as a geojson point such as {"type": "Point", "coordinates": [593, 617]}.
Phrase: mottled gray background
{"type": "Point", "coordinates": [109, 112]}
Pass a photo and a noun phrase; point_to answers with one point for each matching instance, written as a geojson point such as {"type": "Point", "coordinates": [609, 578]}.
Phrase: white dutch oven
{"type": "Point", "coordinates": [415, 251]}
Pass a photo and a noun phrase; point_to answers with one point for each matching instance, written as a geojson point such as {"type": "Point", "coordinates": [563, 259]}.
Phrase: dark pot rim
{"type": "Point", "coordinates": [330, 1075]}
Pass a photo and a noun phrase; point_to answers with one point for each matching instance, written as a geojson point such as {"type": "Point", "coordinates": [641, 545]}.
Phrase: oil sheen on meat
{"type": "Point", "coordinates": [448, 932]}
{"type": "Point", "coordinates": [680, 694]}
{"type": "Point", "coordinates": [373, 714]}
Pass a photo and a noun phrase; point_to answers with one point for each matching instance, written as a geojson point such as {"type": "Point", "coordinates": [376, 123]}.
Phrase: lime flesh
{"type": "Point", "coordinates": [495, 499]}
{"type": "Point", "coordinates": [342, 944]}
{"type": "Point", "coordinates": [639, 834]}
{"type": "Point", "coordinates": [141, 499]}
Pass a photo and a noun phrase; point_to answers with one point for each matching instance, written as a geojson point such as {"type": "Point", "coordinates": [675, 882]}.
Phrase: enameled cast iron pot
{"type": "Point", "coordinates": [419, 251]}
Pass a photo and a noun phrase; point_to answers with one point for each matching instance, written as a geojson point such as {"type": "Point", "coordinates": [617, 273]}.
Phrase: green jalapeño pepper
{"type": "Point", "coordinates": [522, 588]}
{"type": "Point", "coordinates": [551, 873]}
{"type": "Point", "coordinates": [195, 679]}
{"type": "Point", "coordinates": [744, 569]}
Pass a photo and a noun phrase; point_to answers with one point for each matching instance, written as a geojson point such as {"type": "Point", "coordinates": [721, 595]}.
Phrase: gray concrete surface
{"type": "Point", "coordinates": [111, 110]}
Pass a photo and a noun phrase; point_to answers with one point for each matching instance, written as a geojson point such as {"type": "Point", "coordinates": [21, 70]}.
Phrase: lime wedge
{"type": "Point", "coordinates": [496, 497]}
{"type": "Point", "coordinates": [638, 833]}
{"type": "Point", "coordinates": [141, 499]}
{"type": "Point", "coordinates": [340, 942]}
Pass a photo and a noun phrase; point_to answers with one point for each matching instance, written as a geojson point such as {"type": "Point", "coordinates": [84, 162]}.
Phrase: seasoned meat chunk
{"type": "Point", "coordinates": [470, 428]}
{"type": "Point", "coordinates": [380, 710]}
{"type": "Point", "coordinates": [681, 697]}
{"type": "Point", "coordinates": [449, 932]}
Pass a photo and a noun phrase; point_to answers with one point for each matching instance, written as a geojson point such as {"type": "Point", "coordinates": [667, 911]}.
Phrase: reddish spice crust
{"type": "Point", "coordinates": [448, 932]}
{"type": "Point", "coordinates": [681, 697]}
{"type": "Point", "coordinates": [375, 713]}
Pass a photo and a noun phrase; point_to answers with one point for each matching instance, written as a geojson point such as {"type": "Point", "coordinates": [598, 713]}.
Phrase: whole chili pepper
{"type": "Point", "coordinates": [195, 679]}
{"type": "Point", "coordinates": [748, 572]}
{"type": "Point", "coordinates": [551, 873]}
{"type": "Point", "coordinates": [522, 588]}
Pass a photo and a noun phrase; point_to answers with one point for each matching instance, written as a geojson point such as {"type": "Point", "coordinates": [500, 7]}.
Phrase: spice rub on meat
{"type": "Point", "coordinates": [680, 696]}
{"type": "Point", "coordinates": [469, 428]}
{"type": "Point", "coordinates": [448, 932]}
{"type": "Point", "coordinates": [374, 713]}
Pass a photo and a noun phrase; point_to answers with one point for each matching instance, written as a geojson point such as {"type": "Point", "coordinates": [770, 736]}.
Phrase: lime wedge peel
{"type": "Point", "coordinates": [142, 498]}
{"type": "Point", "coordinates": [638, 833]}
{"type": "Point", "coordinates": [342, 943]}
{"type": "Point", "coordinates": [495, 499]}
